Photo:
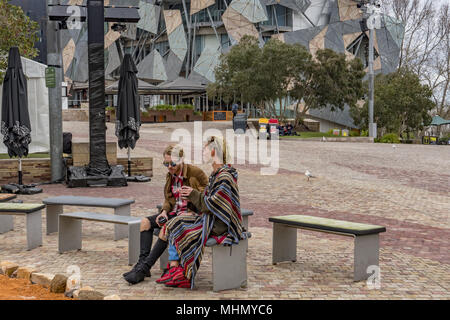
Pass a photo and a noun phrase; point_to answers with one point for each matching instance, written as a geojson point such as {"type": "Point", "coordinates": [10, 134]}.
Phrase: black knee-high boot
{"type": "Point", "coordinates": [143, 269]}
{"type": "Point", "coordinates": [146, 239]}
{"type": "Point", "coordinates": [157, 251]}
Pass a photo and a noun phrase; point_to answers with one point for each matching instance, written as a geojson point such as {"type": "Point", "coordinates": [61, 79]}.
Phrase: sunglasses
{"type": "Point", "coordinates": [167, 164]}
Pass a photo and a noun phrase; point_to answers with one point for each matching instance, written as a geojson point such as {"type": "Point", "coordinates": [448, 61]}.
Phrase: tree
{"type": "Point", "coordinates": [402, 104]}
{"type": "Point", "coordinates": [266, 76]}
{"type": "Point", "coordinates": [330, 80]}
{"type": "Point", "coordinates": [425, 46]}
{"type": "Point", "coordinates": [235, 74]}
{"type": "Point", "coordinates": [16, 30]}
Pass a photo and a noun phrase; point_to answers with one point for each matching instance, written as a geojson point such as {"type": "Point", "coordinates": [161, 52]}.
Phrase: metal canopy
{"type": "Point", "coordinates": [112, 14]}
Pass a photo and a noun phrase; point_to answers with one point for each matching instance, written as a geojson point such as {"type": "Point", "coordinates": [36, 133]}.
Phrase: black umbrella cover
{"type": "Point", "coordinates": [128, 116]}
{"type": "Point", "coordinates": [15, 125]}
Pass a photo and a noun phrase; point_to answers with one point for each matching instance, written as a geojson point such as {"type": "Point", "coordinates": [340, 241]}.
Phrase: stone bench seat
{"type": "Point", "coordinates": [70, 231]}
{"type": "Point", "coordinates": [366, 239]}
{"type": "Point", "coordinates": [55, 207]}
{"type": "Point", "coordinates": [229, 264]}
{"type": "Point", "coordinates": [32, 211]}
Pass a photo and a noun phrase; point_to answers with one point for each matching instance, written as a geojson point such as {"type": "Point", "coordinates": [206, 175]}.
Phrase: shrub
{"type": "Point", "coordinates": [354, 133]}
{"type": "Point", "coordinates": [163, 107]}
{"type": "Point", "coordinates": [364, 133]}
{"type": "Point", "coordinates": [184, 107]}
{"type": "Point", "coordinates": [144, 114]}
{"type": "Point", "coordinates": [390, 138]}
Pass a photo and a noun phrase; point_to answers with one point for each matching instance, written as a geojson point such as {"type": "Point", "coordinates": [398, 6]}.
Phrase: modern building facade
{"type": "Point", "coordinates": [185, 38]}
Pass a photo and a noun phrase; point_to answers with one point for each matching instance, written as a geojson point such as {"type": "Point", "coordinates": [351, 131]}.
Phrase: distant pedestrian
{"type": "Point", "coordinates": [234, 109]}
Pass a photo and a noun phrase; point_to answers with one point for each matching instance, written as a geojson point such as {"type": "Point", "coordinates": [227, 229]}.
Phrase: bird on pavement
{"type": "Point", "coordinates": [308, 174]}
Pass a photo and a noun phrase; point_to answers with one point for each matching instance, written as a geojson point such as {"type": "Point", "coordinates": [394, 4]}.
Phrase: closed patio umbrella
{"type": "Point", "coordinates": [128, 113]}
{"type": "Point", "coordinates": [15, 123]}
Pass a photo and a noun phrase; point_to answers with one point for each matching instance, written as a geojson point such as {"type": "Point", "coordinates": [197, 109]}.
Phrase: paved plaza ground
{"type": "Point", "coordinates": [406, 189]}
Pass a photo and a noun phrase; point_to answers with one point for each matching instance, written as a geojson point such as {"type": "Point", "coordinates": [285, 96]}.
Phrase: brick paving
{"type": "Point", "coordinates": [406, 189]}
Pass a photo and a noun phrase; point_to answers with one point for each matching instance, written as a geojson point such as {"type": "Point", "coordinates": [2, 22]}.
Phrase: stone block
{"type": "Point", "coordinates": [43, 279]}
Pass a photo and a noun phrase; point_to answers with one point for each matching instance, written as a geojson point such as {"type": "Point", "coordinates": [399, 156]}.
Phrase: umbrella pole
{"type": "Point", "coordinates": [129, 162]}
{"type": "Point", "coordinates": [20, 171]}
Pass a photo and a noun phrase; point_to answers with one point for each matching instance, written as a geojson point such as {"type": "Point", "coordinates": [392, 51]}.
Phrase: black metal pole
{"type": "Point", "coordinates": [98, 164]}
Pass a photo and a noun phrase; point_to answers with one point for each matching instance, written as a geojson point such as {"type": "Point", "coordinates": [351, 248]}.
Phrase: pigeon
{"type": "Point", "coordinates": [308, 174]}
{"type": "Point", "coordinates": [394, 146]}
{"type": "Point", "coordinates": [324, 139]}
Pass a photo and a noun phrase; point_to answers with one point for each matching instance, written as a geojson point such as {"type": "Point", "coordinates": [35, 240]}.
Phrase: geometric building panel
{"type": "Point", "coordinates": [250, 9]}
{"type": "Point", "coordinates": [197, 5]}
{"type": "Point", "coordinates": [111, 36]}
{"type": "Point", "coordinates": [333, 38]}
{"type": "Point", "coordinates": [348, 10]}
{"type": "Point", "coordinates": [173, 66]}
{"type": "Point", "coordinates": [395, 28]}
{"type": "Point", "coordinates": [178, 43]}
{"type": "Point", "coordinates": [149, 14]}
{"type": "Point", "coordinates": [68, 54]}
{"type": "Point", "coordinates": [113, 60]}
{"type": "Point", "coordinates": [207, 62]}
{"type": "Point", "coordinates": [318, 42]}
{"type": "Point", "coordinates": [172, 19]}
{"type": "Point", "coordinates": [296, 5]}
{"type": "Point", "coordinates": [237, 25]}
{"type": "Point", "coordinates": [152, 67]}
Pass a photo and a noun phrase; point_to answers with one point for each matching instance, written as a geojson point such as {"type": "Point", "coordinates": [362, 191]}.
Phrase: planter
{"type": "Point", "coordinates": [180, 115]}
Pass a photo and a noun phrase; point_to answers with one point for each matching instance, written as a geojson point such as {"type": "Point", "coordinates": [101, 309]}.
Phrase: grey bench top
{"type": "Point", "coordinates": [88, 201]}
{"type": "Point", "coordinates": [244, 212]}
{"type": "Point", "coordinates": [331, 225]}
{"type": "Point", "coordinates": [100, 217]}
{"type": "Point", "coordinates": [21, 208]}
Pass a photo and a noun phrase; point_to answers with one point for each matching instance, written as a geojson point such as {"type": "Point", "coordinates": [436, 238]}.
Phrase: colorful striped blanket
{"type": "Point", "coordinates": [190, 233]}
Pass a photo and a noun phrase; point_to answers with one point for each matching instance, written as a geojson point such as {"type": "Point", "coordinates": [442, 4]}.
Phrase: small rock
{"type": "Point", "coordinates": [58, 284]}
{"type": "Point", "coordinates": [8, 267]}
{"type": "Point", "coordinates": [76, 293]}
{"type": "Point", "coordinates": [90, 295]}
{"type": "Point", "coordinates": [43, 279]}
{"type": "Point", "coordinates": [69, 294]}
{"type": "Point", "coordinates": [112, 297]}
{"type": "Point", "coordinates": [73, 284]}
{"type": "Point", "coordinates": [25, 272]}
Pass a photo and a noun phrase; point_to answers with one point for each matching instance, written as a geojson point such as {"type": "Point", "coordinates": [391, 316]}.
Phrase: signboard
{"type": "Point", "coordinates": [50, 77]}
{"type": "Point", "coordinates": [220, 115]}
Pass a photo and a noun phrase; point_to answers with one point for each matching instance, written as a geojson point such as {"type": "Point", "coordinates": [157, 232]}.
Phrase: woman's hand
{"type": "Point", "coordinates": [185, 192]}
{"type": "Point", "coordinates": [163, 214]}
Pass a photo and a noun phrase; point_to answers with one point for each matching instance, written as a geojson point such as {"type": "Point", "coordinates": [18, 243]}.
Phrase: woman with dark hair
{"type": "Point", "coordinates": [220, 218]}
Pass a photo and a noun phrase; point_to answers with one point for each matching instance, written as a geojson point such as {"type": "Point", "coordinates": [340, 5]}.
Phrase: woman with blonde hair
{"type": "Point", "coordinates": [220, 218]}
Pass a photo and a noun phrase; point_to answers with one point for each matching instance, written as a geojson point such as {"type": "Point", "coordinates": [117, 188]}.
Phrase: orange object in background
{"type": "Point", "coordinates": [21, 289]}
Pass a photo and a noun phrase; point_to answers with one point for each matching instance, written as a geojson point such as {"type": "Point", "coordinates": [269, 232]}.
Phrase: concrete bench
{"type": "Point", "coordinates": [366, 251]}
{"type": "Point", "coordinates": [55, 208]}
{"type": "Point", "coordinates": [229, 265]}
{"type": "Point", "coordinates": [69, 236]}
{"type": "Point", "coordinates": [32, 211]}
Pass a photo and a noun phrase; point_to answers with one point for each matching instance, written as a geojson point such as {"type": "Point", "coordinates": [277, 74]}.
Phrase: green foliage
{"type": "Point", "coordinates": [170, 107]}
{"type": "Point", "coordinates": [401, 103]}
{"type": "Point", "coordinates": [110, 108]}
{"type": "Point", "coordinates": [330, 80]}
{"type": "Point", "coordinates": [16, 30]}
{"type": "Point", "coordinates": [354, 133]}
{"type": "Point", "coordinates": [364, 133]}
{"type": "Point", "coordinates": [144, 114]}
{"type": "Point", "coordinates": [390, 138]}
{"type": "Point", "coordinates": [184, 107]}
{"type": "Point", "coordinates": [266, 76]}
